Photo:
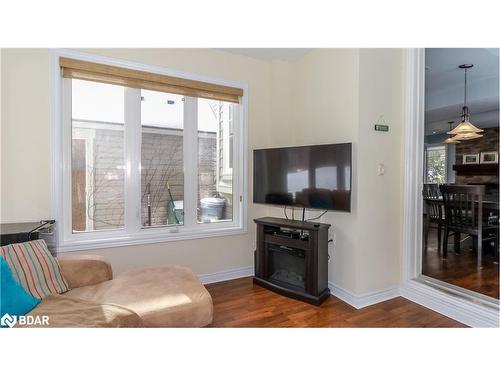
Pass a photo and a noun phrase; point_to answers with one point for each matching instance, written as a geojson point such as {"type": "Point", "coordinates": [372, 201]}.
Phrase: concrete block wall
{"type": "Point", "coordinates": [108, 173]}
{"type": "Point", "coordinates": [162, 162]}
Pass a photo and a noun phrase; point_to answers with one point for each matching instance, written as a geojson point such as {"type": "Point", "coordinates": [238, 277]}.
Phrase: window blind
{"type": "Point", "coordinates": [89, 71]}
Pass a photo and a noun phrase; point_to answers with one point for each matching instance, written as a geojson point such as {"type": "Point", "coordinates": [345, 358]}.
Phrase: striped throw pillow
{"type": "Point", "coordinates": [35, 268]}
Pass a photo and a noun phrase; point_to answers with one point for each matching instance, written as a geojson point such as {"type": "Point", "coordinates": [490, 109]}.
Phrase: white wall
{"type": "Point", "coordinates": [1, 168]}
{"type": "Point", "coordinates": [380, 197]}
{"type": "Point", "coordinates": [325, 110]}
{"type": "Point", "coordinates": [25, 135]}
{"type": "Point", "coordinates": [330, 95]}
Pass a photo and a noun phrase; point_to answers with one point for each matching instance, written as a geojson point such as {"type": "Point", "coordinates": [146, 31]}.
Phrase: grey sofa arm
{"type": "Point", "coordinates": [83, 270]}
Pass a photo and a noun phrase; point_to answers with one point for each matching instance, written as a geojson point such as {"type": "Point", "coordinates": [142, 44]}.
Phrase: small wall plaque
{"type": "Point", "coordinates": [381, 128]}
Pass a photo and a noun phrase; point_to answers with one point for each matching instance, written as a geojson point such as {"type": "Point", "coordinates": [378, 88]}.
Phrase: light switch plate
{"type": "Point", "coordinates": [380, 169]}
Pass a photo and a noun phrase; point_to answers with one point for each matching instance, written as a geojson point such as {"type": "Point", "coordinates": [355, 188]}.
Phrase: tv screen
{"type": "Point", "coordinates": [305, 176]}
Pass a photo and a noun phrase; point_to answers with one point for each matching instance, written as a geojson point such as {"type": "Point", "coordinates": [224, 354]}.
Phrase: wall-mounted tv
{"type": "Point", "coordinates": [305, 176]}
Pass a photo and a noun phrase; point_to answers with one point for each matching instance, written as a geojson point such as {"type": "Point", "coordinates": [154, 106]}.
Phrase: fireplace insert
{"type": "Point", "coordinates": [287, 266]}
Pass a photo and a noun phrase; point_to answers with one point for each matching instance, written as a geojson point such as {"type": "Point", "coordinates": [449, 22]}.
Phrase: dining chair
{"type": "Point", "coordinates": [463, 210]}
{"type": "Point", "coordinates": [433, 212]}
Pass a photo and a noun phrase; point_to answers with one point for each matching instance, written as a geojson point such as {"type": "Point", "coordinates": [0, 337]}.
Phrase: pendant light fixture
{"type": "Point", "coordinates": [465, 130]}
{"type": "Point", "coordinates": [450, 139]}
{"type": "Point", "coordinates": [467, 136]}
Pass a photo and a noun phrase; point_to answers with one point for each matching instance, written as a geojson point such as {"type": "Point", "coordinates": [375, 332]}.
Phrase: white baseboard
{"type": "Point", "coordinates": [235, 273]}
{"type": "Point", "coordinates": [362, 300]}
{"type": "Point", "coordinates": [467, 312]}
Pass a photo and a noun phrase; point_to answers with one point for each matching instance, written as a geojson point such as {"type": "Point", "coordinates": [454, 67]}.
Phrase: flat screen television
{"type": "Point", "coordinates": [305, 176]}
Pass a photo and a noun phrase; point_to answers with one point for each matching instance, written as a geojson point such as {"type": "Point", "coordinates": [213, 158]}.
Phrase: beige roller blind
{"type": "Point", "coordinates": [89, 71]}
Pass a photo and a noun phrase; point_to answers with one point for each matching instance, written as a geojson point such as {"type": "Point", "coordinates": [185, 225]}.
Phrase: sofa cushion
{"type": "Point", "coordinates": [67, 312]}
{"type": "Point", "coordinates": [168, 296]}
{"type": "Point", "coordinates": [84, 269]}
{"type": "Point", "coordinates": [35, 268]}
{"type": "Point", "coordinates": [14, 300]}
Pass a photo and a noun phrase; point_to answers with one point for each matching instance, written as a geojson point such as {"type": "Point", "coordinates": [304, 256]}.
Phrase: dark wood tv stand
{"type": "Point", "coordinates": [291, 258]}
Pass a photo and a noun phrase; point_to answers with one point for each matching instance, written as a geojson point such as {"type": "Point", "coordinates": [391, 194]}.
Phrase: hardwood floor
{"type": "Point", "coordinates": [240, 303]}
{"type": "Point", "coordinates": [461, 269]}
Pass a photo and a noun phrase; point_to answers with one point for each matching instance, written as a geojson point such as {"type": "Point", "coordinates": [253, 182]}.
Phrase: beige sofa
{"type": "Point", "coordinates": [166, 296]}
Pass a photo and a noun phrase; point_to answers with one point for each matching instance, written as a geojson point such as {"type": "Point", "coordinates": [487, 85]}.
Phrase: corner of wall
{"type": "Point", "coordinates": [380, 203]}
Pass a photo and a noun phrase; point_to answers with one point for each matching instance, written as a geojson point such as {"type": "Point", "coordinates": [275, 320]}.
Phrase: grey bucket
{"type": "Point", "coordinates": [212, 208]}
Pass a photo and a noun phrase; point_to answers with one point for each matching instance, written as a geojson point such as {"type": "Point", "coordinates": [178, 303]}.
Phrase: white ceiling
{"type": "Point", "coordinates": [444, 87]}
{"type": "Point", "coordinates": [268, 54]}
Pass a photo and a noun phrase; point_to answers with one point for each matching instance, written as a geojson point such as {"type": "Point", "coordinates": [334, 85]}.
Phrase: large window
{"type": "Point", "coordinates": [435, 164]}
{"type": "Point", "coordinates": [145, 164]}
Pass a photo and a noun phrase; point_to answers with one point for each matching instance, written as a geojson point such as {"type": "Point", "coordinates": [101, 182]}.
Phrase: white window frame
{"type": "Point", "coordinates": [133, 233]}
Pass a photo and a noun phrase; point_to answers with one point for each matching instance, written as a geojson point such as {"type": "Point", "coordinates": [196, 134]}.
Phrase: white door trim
{"type": "Point", "coordinates": [473, 311]}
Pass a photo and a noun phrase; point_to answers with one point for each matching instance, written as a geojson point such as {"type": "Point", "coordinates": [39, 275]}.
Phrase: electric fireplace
{"type": "Point", "coordinates": [292, 258]}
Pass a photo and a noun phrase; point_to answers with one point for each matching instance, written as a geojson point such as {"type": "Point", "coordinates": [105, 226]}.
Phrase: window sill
{"type": "Point", "coordinates": [145, 239]}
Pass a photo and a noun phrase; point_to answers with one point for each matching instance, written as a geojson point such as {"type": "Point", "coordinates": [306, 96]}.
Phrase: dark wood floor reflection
{"type": "Point", "coordinates": [240, 303]}
{"type": "Point", "coordinates": [461, 269]}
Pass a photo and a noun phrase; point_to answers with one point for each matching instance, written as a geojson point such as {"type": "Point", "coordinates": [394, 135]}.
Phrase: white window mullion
{"type": "Point", "coordinates": [132, 160]}
{"type": "Point", "coordinates": [190, 156]}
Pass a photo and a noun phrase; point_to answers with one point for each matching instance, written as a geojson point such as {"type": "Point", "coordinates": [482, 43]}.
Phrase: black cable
{"type": "Point", "coordinates": [318, 217]}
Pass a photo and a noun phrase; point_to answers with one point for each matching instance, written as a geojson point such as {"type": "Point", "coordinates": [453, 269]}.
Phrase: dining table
{"type": "Point", "coordinates": [490, 203]}
{"type": "Point", "coordinates": [491, 209]}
